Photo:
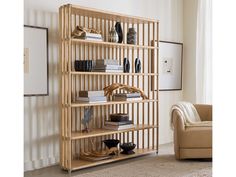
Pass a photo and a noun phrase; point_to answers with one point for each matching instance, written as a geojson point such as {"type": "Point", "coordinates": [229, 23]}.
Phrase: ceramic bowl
{"type": "Point", "coordinates": [127, 148]}
{"type": "Point", "coordinates": [111, 143]}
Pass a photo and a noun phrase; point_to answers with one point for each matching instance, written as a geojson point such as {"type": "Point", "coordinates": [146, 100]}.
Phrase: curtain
{"type": "Point", "coordinates": [204, 52]}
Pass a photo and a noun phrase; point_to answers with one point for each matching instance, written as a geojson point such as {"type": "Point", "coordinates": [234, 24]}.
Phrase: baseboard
{"type": "Point", "coordinates": [40, 163]}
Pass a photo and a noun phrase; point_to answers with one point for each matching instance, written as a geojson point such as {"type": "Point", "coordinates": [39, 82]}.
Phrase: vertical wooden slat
{"type": "Point", "coordinates": [153, 94]}
{"type": "Point", "coordinates": [157, 92]}
{"type": "Point", "coordinates": [143, 86]}
{"type": "Point", "coordinates": [138, 105]}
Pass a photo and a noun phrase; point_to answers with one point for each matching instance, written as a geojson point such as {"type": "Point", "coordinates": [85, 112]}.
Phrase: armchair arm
{"type": "Point", "coordinates": [178, 124]}
{"type": "Point", "coordinates": [204, 111]}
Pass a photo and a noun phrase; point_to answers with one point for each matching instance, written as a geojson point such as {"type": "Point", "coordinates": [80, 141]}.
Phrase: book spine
{"type": "Point", "coordinates": [108, 67]}
{"type": "Point", "coordinates": [107, 62]}
{"type": "Point", "coordinates": [91, 93]}
{"type": "Point", "coordinates": [108, 71]}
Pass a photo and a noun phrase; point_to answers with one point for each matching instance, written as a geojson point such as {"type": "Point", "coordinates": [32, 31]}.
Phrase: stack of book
{"type": "Point", "coordinates": [91, 96]}
{"type": "Point", "coordinates": [116, 124]}
{"type": "Point", "coordinates": [91, 36]}
{"type": "Point", "coordinates": [126, 97]}
{"type": "Point", "coordinates": [108, 65]}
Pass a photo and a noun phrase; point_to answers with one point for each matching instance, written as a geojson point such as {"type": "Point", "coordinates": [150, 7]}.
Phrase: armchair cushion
{"type": "Point", "coordinates": [196, 137]}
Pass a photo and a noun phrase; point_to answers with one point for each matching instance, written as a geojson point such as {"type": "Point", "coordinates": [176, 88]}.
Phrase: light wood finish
{"type": "Point", "coordinates": [106, 73]}
{"type": "Point", "coordinates": [102, 132]}
{"type": "Point", "coordinates": [143, 113]}
{"type": "Point", "coordinates": [80, 164]}
{"type": "Point", "coordinates": [79, 104]}
{"type": "Point", "coordinates": [110, 44]}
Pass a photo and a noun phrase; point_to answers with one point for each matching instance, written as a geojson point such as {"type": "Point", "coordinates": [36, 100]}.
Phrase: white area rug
{"type": "Point", "coordinates": [155, 166]}
{"type": "Point", "coordinates": [161, 165]}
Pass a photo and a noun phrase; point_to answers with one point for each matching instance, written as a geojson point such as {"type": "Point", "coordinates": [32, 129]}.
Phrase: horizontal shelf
{"type": "Point", "coordinates": [79, 104]}
{"type": "Point", "coordinates": [102, 132]}
{"type": "Point", "coordinates": [111, 44]}
{"type": "Point", "coordinates": [112, 73]}
{"type": "Point", "coordinates": [97, 13]}
{"type": "Point", "coordinates": [80, 164]}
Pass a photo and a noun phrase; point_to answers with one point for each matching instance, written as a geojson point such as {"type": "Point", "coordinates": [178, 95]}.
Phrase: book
{"type": "Point", "coordinates": [127, 95]}
{"type": "Point", "coordinates": [118, 123]}
{"type": "Point", "coordinates": [90, 38]}
{"type": "Point", "coordinates": [121, 127]}
{"type": "Point", "coordinates": [107, 62]}
{"type": "Point", "coordinates": [92, 35]}
{"type": "Point", "coordinates": [92, 99]}
{"type": "Point", "coordinates": [114, 98]}
{"type": "Point", "coordinates": [108, 70]}
{"type": "Point", "coordinates": [108, 67]}
{"type": "Point", "coordinates": [91, 93]}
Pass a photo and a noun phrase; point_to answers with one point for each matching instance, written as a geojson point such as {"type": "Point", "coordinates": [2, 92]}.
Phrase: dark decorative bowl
{"type": "Point", "coordinates": [119, 117]}
{"type": "Point", "coordinates": [127, 148]}
{"type": "Point", "coordinates": [111, 143]}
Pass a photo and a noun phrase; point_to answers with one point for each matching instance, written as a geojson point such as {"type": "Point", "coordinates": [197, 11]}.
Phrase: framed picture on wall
{"type": "Point", "coordinates": [170, 65]}
{"type": "Point", "coordinates": [35, 61]}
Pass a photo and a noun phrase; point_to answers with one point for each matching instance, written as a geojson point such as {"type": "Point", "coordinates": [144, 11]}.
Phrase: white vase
{"type": "Point", "coordinates": [113, 36]}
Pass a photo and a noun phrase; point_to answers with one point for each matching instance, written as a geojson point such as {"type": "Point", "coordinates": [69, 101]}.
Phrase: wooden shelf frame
{"type": "Point", "coordinates": [79, 104]}
{"type": "Point", "coordinates": [102, 132]}
{"type": "Point", "coordinates": [81, 164]}
{"type": "Point", "coordinates": [112, 73]}
{"type": "Point", "coordinates": [143, 113]}
{"type": "Point", "coordinates": [110, 44]}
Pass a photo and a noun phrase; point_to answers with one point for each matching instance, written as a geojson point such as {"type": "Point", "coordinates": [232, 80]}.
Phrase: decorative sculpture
{"type": "Point", "coordinates": [111, 88]}
{"type": "Point", "coordinates": [119, 31]}
{"type": "Point", "coordinates": [113, 36]}
{"type": "Point", "coordinates": [80, 31]}
{"type": "Point", "coordinates": [137, 65]}
{"type": "Point", "coordinates": [88, 112]}
{"type": "Point", "coordinates": [126, 65]}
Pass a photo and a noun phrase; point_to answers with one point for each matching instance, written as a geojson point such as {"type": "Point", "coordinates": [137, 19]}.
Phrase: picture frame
{"type": "Point", "coordinates": [170, 65]}
{"type": "Point", "coordinates": [36, 61]}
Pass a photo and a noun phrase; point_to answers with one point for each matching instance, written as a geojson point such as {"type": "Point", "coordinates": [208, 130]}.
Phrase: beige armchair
{"type": "Point", "coordinates": [193, 142]}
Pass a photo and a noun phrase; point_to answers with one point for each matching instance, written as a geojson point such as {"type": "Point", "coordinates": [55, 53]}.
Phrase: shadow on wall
{"type": "Point", "coordinates": [42, 114]}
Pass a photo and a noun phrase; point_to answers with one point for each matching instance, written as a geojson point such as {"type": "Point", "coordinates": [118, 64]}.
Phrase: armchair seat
{"type": "Point", "coordinates": [196, 137]}
{"type": "Point", "coordinates": [193, 141]}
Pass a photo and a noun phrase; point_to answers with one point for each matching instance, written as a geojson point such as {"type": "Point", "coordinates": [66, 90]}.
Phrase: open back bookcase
{"type": "Point", "coordinates": [143, 113]}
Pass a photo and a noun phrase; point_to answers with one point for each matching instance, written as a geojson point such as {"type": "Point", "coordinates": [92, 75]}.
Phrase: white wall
{"type": "Point", "coordinates": [41, 114]}
{"type": "Point", "coordinates": [190, 30]}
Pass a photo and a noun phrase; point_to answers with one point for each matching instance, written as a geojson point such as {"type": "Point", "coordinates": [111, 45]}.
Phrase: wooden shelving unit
{"type": "Point", "coordinates": [144, 113]}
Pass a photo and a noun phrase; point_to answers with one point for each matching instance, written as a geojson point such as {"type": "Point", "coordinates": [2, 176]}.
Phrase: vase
{"type": "Point", "coordinates": [113, 36]}
{"type": "Point", "coordinates": [119, 32]}
{"type": "Point", "coordinates": [126, 65]}
{"type": "Point", "coordinates": [137, 65]}
{"type": "Point", "coordinates": [131, 36]}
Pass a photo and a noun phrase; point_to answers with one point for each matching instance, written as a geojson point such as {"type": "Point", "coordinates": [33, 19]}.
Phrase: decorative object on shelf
{"type": "Point", "coordinates": [131, 36]}
{"type": "Point", "coordinates": [81, 31]}
{"type": "Point", "coordinates": [110, 88]}
{"type": "Point", "coordinates": [126, 96]}
{"type": "Point", "coordinates": [119, 32]}
{"type": "Point", "coordinates": [108, 65]}
{"type": "Point", "coordinates": [119, 117]}
{"type": "Point", "coordinates": [83, 65]}
{"type": "Point", "coordinates": [113, 36]}
{"type": "Point", "coordinates": [112, 146]}
{"type": "Point", "coordinates": [94, 156]}
{"type": "Point", "coordinates": [128, 148]}
{"type": "Point", "coordinates": [126, 65]}
{"type": "Point", "coordinates": [137, 65]}
{"type": "Point", "coordinates": [88, 113]}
